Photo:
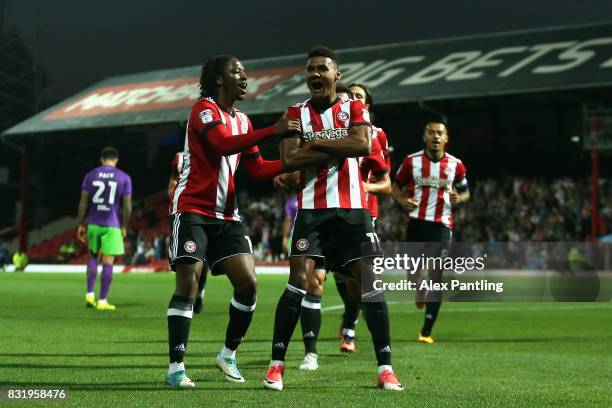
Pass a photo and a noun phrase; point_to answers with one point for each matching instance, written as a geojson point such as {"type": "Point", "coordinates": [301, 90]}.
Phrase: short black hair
{"type": "Point", "coordinates": [368, 95]}
{"type": "Point", "coordinates": [436, 119]}
{"type": "Point", "coordinates": [321, 51]}
{"type": "Point", "coordinates": [343, 88]}
{"type": "Point", "coordinates": [109, 153]}
{"type": "Point", "coordinates": [213, 67]}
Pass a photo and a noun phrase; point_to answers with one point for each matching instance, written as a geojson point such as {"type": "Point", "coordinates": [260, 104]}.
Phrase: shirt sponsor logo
{"type": "Point", "coordinates": [329, 134]}
{"type": "Point", "coordinates": [434, 182]}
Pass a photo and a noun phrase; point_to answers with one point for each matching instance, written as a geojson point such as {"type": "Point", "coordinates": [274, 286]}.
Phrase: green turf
{"type": "Point", "coordinates": [487, 354]}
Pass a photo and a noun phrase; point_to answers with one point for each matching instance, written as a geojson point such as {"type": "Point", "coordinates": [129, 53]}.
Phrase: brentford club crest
{"type": "Point", "coordinates": [342, 116]}
{"type": "Point", "coordinates": [190, 247]}
{"type": "Point", "coordinates": [302, 244]}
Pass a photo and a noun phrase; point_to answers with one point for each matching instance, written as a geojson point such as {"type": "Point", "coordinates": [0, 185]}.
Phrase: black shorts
{"type": "Point", "coordinates": [206, 239]}
{"type": "Point", "coordinates": [317, 233]}
{"type": "Point", "coordinates": [435, 236]}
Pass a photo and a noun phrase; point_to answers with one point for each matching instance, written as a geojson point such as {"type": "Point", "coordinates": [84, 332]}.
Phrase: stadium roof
{"type": "Point", "coordinates": [474, 66]}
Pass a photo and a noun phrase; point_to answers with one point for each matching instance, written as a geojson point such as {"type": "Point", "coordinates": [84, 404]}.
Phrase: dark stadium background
{"type": "Point", "coordinates": [69, 45]}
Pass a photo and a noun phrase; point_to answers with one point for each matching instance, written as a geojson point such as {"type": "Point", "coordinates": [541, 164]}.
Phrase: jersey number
{"type": "Point", "coordinates": [101, 186]}
{"type": "Point", "coordinates": [373, 237]}
{"type": "Point", "coordinates": [375, 242]}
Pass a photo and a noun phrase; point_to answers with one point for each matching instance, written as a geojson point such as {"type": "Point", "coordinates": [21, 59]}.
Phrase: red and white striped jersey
{"type": "Point", "coordinates": [206, 181]}
{"type": "Point", "coordinates": [336, 184]}
{"type": "Point", "coordinates": [381, 136]}
{"type": "Point", "coordinates": [177, 162]}
{"type": "Point", "coordinates": [373, 166]}
{"type": "Point", "coordinates": [430, 183]}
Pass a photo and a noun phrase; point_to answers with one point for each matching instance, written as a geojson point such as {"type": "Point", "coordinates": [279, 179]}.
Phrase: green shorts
{"type": "Point", "coordinates": [109, 239]}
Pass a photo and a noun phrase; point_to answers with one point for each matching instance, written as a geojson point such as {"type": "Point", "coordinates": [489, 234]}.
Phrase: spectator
{"type": "Point", "coordinates": [20, 260]}
{"type": "Point", "coordinates": [4, 255]}
{"type": "Point", "coordinates": [67, 251]}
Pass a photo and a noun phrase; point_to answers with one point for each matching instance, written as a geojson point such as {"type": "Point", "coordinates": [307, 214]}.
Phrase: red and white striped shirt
{"type": "Point", "coordinates": [177, 162]}
{"type": "Point", "coordinates": [381, 136]}
{"type": "Point", "coordinates": [373, 166]}
{"type": "Point", "coordinates": [336, 184]}
{"type": "Point", "coordinates": [430, 183]}
{"type": "Point", "coordinates": [206, 181]}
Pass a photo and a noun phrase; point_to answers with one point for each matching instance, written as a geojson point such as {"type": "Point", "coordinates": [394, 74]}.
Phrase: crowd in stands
{"type": "Point", "coordinates": [532, 210]}
{"type": "Point", "coordinates": [512, 209]}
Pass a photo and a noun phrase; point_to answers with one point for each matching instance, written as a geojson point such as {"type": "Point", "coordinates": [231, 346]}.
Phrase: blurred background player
{"type": "Point", "coordinates": [375, 178]}
{"type": "Point", "coordinates": [104, 213]}
{"type": "Point", "coordinates": [373, 186]}
{"type": "Point", "coordinates": [291, 207]}
{"type": "Point", "coordinates": [204, 220]}
{"type": "Point", "coordinates": [332, 205]}
{"type": "Point", "coordinates": [177, 166]}
{"type": "Point", "coordinates": [428, 184]}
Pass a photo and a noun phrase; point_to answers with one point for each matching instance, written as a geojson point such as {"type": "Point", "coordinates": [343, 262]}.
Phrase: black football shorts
{"type": "Point", "coordinates": [206, 239]}
{"type": "Point", "coordinates": [317, 233]}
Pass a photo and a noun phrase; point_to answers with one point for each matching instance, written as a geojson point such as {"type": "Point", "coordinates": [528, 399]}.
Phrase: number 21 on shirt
{"type": "Point", "coordinates": [98, 197]}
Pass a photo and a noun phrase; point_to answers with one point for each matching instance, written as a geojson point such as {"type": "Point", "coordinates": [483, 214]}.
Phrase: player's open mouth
{"type": "Point", "coordinates": [316, 85]}
{"type": "Point", "coordinates": [242, 86]}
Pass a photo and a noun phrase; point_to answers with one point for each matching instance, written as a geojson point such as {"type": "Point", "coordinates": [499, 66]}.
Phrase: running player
{"type": "Point", "coordinates": [332, 206]}
{"type": "Point", "coordinates": [204, 218]}
{"type": "Point", "coordinates": [104, 213]}
{"type": "Point", "coordinates": [428, 184]}
{"type": "Point", "coordinates": [177, 166]}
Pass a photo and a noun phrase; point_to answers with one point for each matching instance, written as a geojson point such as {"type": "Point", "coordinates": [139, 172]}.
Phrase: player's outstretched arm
{"type": "Point", "coordinates": [356, 144]}
{"type": "Point", "coordinates": [126, 213]}
{"type": "Point", "coordinates": [226, 144]}
{"type": "Point", "coordinates": [83, 207]}
{"type": "Point", "coordinates": [380, 186]}
{"type": "Point", "coordinates": [294, 157]}
{"type": "Point", "coordinates": [261, 169]}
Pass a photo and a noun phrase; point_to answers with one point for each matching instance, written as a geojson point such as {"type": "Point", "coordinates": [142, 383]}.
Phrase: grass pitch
{"type": "Point", "coordinates": [486, 354]}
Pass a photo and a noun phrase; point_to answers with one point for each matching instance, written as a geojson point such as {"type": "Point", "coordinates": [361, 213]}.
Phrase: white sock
{"type": "Point", "coordinates": [277, 362]}
{"type": "Point", "coordinates": [227, 353]}
{"type": "Point", "coordinates": [101, 301]}
{"type": "Point", "coordinates": [92, 294]}
{"type": "Point", "coordinates": [174, 367]}
{"type": "Point", "coordinates": [202, 293]}
{"type": "Point", "coordinates": [348, 332]}
{"type": "Point", "coordinates": [382, 368]}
